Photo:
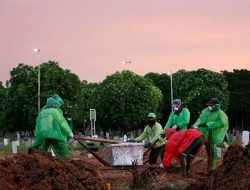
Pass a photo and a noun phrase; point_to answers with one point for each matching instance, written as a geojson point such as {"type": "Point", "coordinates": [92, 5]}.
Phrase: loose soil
{"type": "Point", "coordinates": [233, 174]}
{"type": "Point", "coordinates": [40, 170]}
{"type": "Point", "coordinates": [43, 171]}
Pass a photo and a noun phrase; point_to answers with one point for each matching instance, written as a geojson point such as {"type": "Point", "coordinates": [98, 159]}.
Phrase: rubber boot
{"type": "Point", "coordinates": [214, 164]}
{"type": "Point", "coordinates": [183, 163]}
{"type": "Point", "coordinates": [189, 161]}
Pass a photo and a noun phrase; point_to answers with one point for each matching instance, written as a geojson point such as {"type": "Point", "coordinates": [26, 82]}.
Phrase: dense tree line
{"type": "Point", "coordinates": [239, 104]}
{"type": "Point", "coordinates": [123, 99]}
{"type": "Point", "coordinates": [194, 88]}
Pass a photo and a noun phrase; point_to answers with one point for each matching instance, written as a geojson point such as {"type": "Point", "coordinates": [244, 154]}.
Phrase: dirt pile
{"type": "Point", "coordinates": [233, 174]}
{"type": "Point", "coordinates": [42, 171]}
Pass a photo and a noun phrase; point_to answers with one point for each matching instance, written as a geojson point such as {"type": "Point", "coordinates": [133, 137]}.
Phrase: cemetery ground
{"type": "Point", "coordinates": [38, 170]}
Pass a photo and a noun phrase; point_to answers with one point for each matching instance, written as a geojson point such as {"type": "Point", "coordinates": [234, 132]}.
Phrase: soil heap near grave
{"type": "Point", "coordinates": [233, 174]}
{"type": "Point", "coordinates": [42, 171]}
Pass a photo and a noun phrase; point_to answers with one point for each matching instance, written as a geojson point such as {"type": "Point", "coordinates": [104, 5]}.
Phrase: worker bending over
{"type": "Point", "coordinates": [183, 146]}
{"type": "Point", "coordinates": [152, 131]}
{"type": "Point", "coordinates": [52, 129]}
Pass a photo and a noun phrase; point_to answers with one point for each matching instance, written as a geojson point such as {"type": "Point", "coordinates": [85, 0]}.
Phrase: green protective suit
{"type": "Point", "coordinates": [52, 129]}
{"type": "Point", "coordinates": [181, 119]}
{"type": "Point", "coordinates": [153, 133]}
{"type": "Point", "coordinates": [216, 121]}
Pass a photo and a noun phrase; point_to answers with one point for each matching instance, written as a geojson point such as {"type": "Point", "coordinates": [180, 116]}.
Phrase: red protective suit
{"type": "Point", "coordinates": [178, 142]}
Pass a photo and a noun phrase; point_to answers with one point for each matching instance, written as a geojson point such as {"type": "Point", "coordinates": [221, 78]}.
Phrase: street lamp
{"type": "Point", "coordinates": [128, 62]}
{"type": "Point", "coordinates": [171, 86]}
{"type": "Point", "coordinates": [37, 50]}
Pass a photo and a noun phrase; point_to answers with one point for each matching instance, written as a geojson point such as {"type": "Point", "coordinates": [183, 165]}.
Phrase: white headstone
{"type": "Point", "coordinates": [14, 147]}
{"type": "Point", "coordinates": [18, 142]}
{"type": "Point", "coordinates": [245, 137]}
{"type": "Point", "coordinates": [125, 138]}
{"type": "Point", "coordinates": [132, 135]}
{"type": "Point", "coordinates": [18, 136]}
{"type": "Point", "coordinates": [5, 141]}
{"type": "Point", "coordinates": [107, 135]}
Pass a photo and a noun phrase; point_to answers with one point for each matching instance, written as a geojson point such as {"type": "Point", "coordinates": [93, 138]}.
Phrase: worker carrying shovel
{"type": "Point", "coordinates": [52, 129]}
{"type": "Point", "coordinates": [152, 131]}
{"type": "Point", "coordinates": [213, 123]}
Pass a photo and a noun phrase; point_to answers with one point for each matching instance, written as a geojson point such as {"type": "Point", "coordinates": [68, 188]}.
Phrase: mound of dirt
{"type": "Point", "coordinates": [233, 174]}
{"type": "Point", "coordinates": [42, 171]}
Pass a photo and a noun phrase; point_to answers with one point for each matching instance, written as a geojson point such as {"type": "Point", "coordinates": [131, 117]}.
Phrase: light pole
{"type": "Point", "coordinates": [37, 50]}
{"type": "Point", "coordinates": [171, 86]}
{"type": "Point", "coordinates": [128, 62]}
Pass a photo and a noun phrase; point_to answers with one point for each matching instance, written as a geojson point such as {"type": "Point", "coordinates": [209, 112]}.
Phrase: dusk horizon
{"type": "Point", "coordinates": [93, 38]}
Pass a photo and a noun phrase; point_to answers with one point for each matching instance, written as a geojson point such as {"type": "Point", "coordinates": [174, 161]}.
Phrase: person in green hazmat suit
{"type": "Point", "coordinates": [152, 132]}
{"type": "Point", "coordinates": [52, 129]}
{"type": "Point", "coordinates": [212, 119]}
{"type": "Point", "coordinates": [179, 118]}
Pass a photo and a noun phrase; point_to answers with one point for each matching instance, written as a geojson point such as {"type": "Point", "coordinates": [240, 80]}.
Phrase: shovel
{"type": "Point", "coordinates": [210, 150]}
{"type": "Point", "coordinates": [150, 148]}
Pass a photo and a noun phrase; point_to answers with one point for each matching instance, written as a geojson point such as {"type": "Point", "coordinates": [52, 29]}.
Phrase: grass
{"type": "Point", "coordinates": [75, 146]}
{"type": "Point", "coordinates": [8, 148]}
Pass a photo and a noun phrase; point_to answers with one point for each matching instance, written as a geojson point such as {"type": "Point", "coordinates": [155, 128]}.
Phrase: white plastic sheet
{"type": "Point", "coordinates": [124, 154]}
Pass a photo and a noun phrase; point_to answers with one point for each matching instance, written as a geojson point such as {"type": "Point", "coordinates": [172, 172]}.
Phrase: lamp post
{"type": "Point", "coordinates": [171, 87]}
{"type": "Point", "coordinates": [37, 50]}
{"type": "Point", "coordinates": [128, 62]}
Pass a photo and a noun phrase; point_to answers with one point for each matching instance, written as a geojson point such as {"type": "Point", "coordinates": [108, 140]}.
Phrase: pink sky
{"type": "Point", "coordinates": [93, 37]}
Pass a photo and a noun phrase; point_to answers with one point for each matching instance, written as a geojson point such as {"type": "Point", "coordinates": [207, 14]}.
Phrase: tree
{"type": "Point", "coordinates": [20, 108]}
{"type": "Point", "coordinates": [3, 96]}
{"type": "Point", "coordinates": [22, 97]}
{"type": "Point", "coordinates": [162, 81]}
{"type": "Point", "coordinates": [196, 87]}
{"type": "Point", "coordinates": [123, 101]}
{"type": "Point", "coordinates": [238, 86]}
{"type": "Point", "coordinates": [83, 104]}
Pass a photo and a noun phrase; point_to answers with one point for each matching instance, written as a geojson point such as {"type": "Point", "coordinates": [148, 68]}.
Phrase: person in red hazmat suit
{"type": "Point", "coordinates": [52, 129]}
{"type": "Point", "coordinates": [183, 146]}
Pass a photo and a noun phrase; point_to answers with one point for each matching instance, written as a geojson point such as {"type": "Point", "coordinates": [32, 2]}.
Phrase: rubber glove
{"type": "Point", "coordinates": [174, 127]}
{"type": "Point", "coordinates": [70, 138]}
{"type": "Point", "coordinates": [147, 145]}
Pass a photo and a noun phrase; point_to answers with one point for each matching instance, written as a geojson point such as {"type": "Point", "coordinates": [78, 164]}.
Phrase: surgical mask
{"type": "Point", "coordinates": [176, 108]}
{"type": "Point", "coordinates": [210, 108]}
{"type": "Point", "coordinates": [151, 123]}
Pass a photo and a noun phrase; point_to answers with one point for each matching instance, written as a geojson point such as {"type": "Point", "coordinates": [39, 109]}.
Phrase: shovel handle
{"type": "Point", "coordinates": [210, 150]}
